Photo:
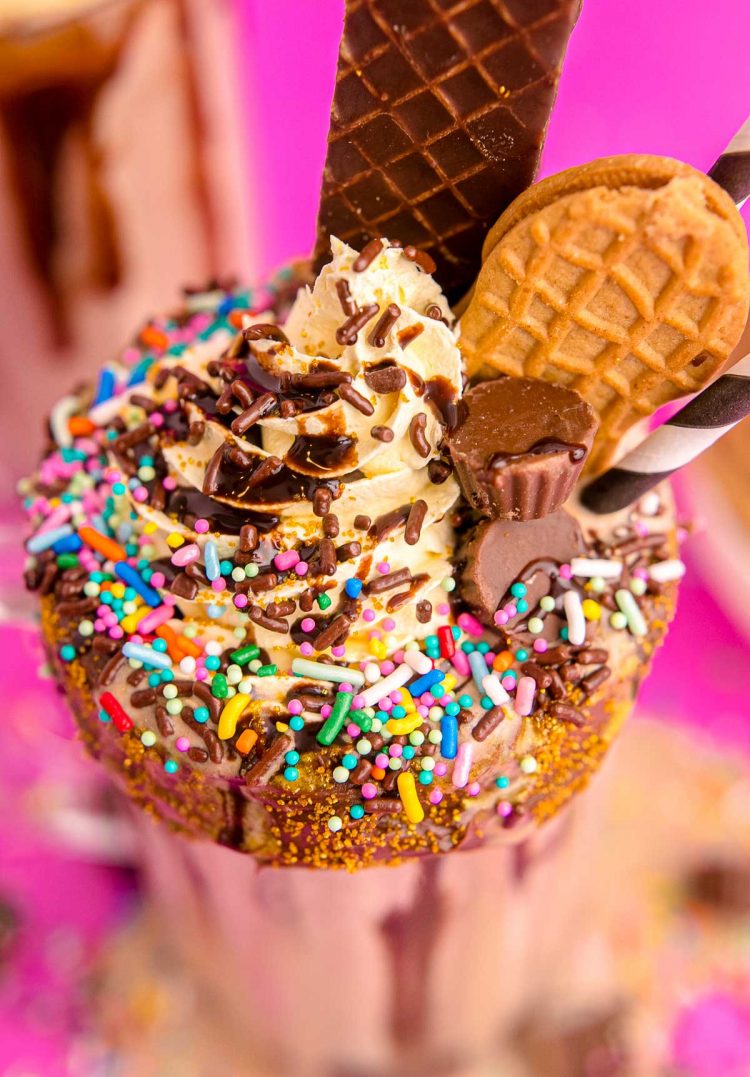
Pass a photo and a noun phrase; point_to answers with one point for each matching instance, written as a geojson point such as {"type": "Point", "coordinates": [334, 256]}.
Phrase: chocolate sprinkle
{"type": "Point", "coordinates": [487, 723]}
{"type": "Point", "coordinates": [367, 255]}
{"type": "Point", "coordinates": [417, 435]}
{"type": "Point", "coordinates": [351, 396]}
{"type": "Point", "coordinates": [415, 521]}
{"type": "Point", "coordinates": [270, 761]}
{"type": "Point", "coordinates": [383, 326]}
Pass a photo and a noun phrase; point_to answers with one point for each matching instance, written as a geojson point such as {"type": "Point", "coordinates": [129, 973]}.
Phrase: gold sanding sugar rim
{"type": "Point", "coordinates": [644, 171]}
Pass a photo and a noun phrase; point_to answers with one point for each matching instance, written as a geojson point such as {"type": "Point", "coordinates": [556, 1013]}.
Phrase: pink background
{"type": "Point", "coordinates": [645, 76]}
{"type": "Point", "coordinates": [663, 76]}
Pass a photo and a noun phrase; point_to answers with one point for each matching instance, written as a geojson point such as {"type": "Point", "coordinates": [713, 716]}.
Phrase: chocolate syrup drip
{"type": "Point", "coordinates": [237, 483]}
{"type": "Point", "coordinates": [185, 503]}
{"type": "Point", "coordinates": [321, 454]}
{"type": "Point", "coordinates": [543, 447]}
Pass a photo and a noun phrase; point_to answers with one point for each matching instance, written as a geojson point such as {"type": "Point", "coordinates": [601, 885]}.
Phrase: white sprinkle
{"type": "Point", "coordinates": [372, 672]}
{"type": "Point", "coordinates": [320, 671]}
{"type": "Point", "coordinates": [58, 421]}
{"type": "Point", "coordinates": [383, 687]}
{"type": "Point", "coordinates": [418, 661]}
{"type": "Point", "coordinates": [629, 607]}
{"type": "Point", "coordinates": [492, 687]}
{"type": "Point", "coordinates": [666, 571]}
{"type": "Point", "coordinates": [596, 566]}
{"type": "Point", "coordinates": [576, 620]}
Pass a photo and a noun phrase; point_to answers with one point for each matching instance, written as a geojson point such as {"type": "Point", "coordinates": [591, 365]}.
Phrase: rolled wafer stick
{"type": "Point", "coordinates": [707, 417]}
{"type": "Point", "coordinates": [732, 169]}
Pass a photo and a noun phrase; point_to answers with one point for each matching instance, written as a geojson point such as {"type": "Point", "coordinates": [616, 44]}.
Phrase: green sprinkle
{"type": "Point", "coordinates": [245, 654]}
{"type": "Point", "coordinates": [266, 671]}
{"type": "Point", "coordinates": [323, 600]}
{"type": "Point", "coordinates": [361, 719]}
{"type": "Point", "coordinates": [67, 560]}
{"type": "Point", "coordinates": [219, 688]}
{"type": "Point", "coordinates": [334, 723]}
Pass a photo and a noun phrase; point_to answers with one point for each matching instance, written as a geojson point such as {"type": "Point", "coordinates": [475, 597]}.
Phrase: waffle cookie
{"type": "Point", "coordinates": [437, 123]}
{"type": "Point", "coordinates": [624, 279]}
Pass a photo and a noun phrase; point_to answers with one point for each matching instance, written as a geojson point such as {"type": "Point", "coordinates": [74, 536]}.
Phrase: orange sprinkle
{"type": "Point", "coordinates": [110, 549]}
{"type": "Point", "coordinates": [503, 661]}
{"type": "Point", "coordinates": [177, 645]}
{"type": "Point", "coordinates": [237, 318]}
{"type": "Point", "coordinates": [154, 338]}
{"type": "Point", "coordinates": [378, 773]}
{"type": "Point", "coordinates": [246, 741]}
{"type": "Point", "coordinates": [80, 427]}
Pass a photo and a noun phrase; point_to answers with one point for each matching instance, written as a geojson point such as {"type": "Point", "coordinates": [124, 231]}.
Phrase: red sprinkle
{"type": "Point", "coordinates": [447, 642]}
{"type": "Point", "coordinates": [123, 722]}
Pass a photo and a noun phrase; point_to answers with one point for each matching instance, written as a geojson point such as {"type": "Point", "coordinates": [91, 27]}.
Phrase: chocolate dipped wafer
{"type": "Point", "coordinates": [625, 279]}
{"type": "Point", "coordinates": [437, 123]}
{"type": "Point", "coordinates": [520, 446]}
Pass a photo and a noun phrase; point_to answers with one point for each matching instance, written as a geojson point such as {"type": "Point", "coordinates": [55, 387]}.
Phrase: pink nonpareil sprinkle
{"type": "Point", "coordinates": [307, 624]}
{"type": "Point", "coordinates": [387, 667]}
{"type": "Point", "coordinates": [369, 791]}
{"type": "Point", "coordinates": [338, 652]}
{"type": "Point", "coordinates": [325, 710]}
{"type": "Point", "coordinates": [504, 808]}
{"type": "Point", "coordinates": [169, 483]}
{"type": "Point", "coordinates": [301, 568]}
{"type": "Point", "coordinates": [381, 761]}
{"type": "Point", "coordinates": [389, 624]}
{"type": "Point", "coordinates": [294, 706]}
{"type": "Point", "coordinates": [352, 730]}
{"type": "Point", "coordinates": [396, 750]}
{"type": "Point", "coordinates": [201, 526]}
{"type": "Point", "coordinates": [240, 601]}
{"type": "Point", "coordinates": [219, 584]}
{"type": "Point", "coordinates": [157, 579]}
{"type": "Point", "coordinates": [473, 789]}
{"type": "Point", "coordinates": [140, 494]}
{"type": "Point", "coordinates": [369, 615]}
{"type": "Point", "coordinates": [306, 649]}
{"type": "Point", "coordinates": [540, 645]}
{"type": "Point", "coordinates": [383, 567]}
{"type": "Point", "coordinates": [440, 769]}
{"type": "Point", "coordinates": [357, 702]}
{"type": "Point", "coordinates": [566, 572]}
{"type": "Point", "coordinates": [436, 795]}
{"type": "Point", "coordinates": [156, 419]}
{"type": "Point", "coordinates": [182, 744]}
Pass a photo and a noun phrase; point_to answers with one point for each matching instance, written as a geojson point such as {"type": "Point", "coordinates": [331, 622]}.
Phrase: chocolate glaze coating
{"type": "Point", "coordinates": [520, 446]}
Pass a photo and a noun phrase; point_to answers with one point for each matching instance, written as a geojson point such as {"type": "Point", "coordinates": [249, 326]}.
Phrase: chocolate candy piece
{"type": "Point", "coordinates": [427, 143]}
{"type": "Point", "coordinates": [499, 552]}
{"type": "Point", "coordinates": [520, 446]}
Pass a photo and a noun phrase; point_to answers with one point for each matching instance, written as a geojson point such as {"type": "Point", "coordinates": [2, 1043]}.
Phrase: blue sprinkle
{"type": "Point", "coordinates": [479, 669]}
{"type": "Point", "coordinates": [147, 655]}
{"type": "Point", "coordinates": [45, 539]}
{"type": "Point", "coordinates": [201, 714]}
{"type": "Point", "coordinates": [70, 544]}
{"type": "Point", "coordinates": [449, 743]}
{"type": "Point", "coordinates": [211, 560]}
{"type": "Point", "coordinates": [138, 373]}
{"type": "Point", "coordinates": [424, 683]}
{"type": "Point", "coordinates": [105, 387]}
{"type": "Point", "coordinates": [353, 587]}
{"type": "Point", "coordinates": [132, 578]}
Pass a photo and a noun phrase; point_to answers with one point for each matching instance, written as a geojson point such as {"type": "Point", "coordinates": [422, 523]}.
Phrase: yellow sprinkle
{"type": "Point", "coordinates": [129, 624]}
{"type": "Point", "coordinates": [592, 611]}
{"type": "Point", "coordinates": [378, 648]}
{"type": "Point", "coordinates": [118, 590]}
{"type": "Point", "coordinates": [231, 714]}
{"type": "Point", "coordinates": [282, 727]}
{"type": "Point", "coordinates": [407, 790]}
{"type": "Point", "coordinates": [149, 527]}
{"type": "Point", "coordinates": [174, 540]}
{"type": "Point", "coordinates": [401, 727]}
{"type": "Point", "coordinates": [450, 681]}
